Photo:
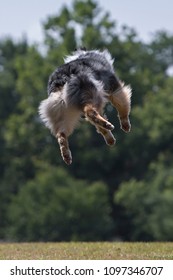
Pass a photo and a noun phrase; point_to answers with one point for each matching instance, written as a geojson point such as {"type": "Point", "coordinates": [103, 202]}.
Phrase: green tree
{"type": "Point", "coordinates": [8, 105]}
{"type": "Point", "coordinates": [21, 131]}
{"type": "Point", "coordinates": [152, 134]}
{"type": "Point", "coordinates": [56, 207]}
{"type": "Point", "coordinates": [148, 204]}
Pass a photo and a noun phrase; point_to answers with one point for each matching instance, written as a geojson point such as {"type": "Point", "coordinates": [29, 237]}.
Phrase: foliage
{"type": "Point", "coordinates": [30, 156]}
{"type": "Point", "coordinates": [149, 204]}
{"type": "Point", "coordinates": [54, 202]}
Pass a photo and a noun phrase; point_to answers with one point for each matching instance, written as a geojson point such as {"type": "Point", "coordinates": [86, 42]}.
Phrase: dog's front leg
{"type": "Point", "coordinates": [64, 147]}
{"type": "Point", "coordinates": [95, 118]}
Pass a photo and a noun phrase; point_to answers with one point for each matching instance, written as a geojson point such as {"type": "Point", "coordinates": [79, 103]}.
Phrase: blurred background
{"type": "Point", "coordinates": [119, 193]}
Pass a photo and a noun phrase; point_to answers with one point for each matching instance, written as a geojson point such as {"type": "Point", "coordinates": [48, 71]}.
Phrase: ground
{"type": "Point", "coordinates": [87, 251]}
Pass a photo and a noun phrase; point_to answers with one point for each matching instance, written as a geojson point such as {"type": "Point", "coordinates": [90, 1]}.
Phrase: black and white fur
{"type": "Point", "coordinates": [82, 87]}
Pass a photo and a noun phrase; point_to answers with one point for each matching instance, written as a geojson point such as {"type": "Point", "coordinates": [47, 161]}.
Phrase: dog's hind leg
{"type": "Point", "coordinates": [95, 118]}
{"type": "Point", "coordinates": [64, 147]}
{"type": "Point", "coordinates": [107, 135]}
{"type": "Point", "coordinates": [121, 101]}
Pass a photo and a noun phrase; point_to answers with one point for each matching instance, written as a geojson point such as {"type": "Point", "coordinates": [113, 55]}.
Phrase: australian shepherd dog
{"type": "Point", "coordinates": [81, 87]}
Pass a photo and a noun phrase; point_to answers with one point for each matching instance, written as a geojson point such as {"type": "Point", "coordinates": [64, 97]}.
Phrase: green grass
{"type": "Point", "coordinates": [87, 251]}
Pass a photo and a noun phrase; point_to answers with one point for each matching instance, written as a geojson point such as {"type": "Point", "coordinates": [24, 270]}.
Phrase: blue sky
{"type": "Point", "coordinates": [19, 17]}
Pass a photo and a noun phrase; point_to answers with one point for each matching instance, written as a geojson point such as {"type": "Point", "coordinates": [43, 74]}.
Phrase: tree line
{"type": "Point", "coordinates": [124, 192]}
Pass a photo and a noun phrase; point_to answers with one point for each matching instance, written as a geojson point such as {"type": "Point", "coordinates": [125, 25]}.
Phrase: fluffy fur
{"type": "Point", "coordinates": [81, 87]}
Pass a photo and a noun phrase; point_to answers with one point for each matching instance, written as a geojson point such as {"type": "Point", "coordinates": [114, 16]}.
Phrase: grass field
{"type": "Point", "coordinates": [87, 251]}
